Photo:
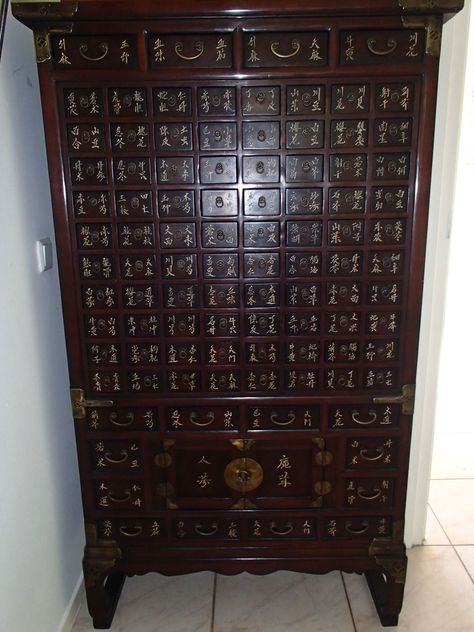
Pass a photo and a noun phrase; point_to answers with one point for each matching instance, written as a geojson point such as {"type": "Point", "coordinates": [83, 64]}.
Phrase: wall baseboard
{"type": "Point", "coordinates": [72, 610]}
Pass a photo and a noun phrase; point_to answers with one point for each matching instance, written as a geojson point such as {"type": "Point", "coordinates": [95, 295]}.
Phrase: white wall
{"type": "Point", "coordinates": [40, 517]}
{"type": "Point", "coordinates": [453, 82]}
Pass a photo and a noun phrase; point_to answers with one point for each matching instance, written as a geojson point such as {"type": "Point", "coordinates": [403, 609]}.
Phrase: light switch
{"type": "Point", "coordinates": [45, 254]}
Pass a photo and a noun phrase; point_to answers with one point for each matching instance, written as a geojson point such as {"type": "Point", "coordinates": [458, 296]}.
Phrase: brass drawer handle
{"type": "Point", "coordinates": [131, 533]}
{"type": "Point", "coordinates": [198, 47]}
{"type": "Point", "coordinates": [350, 529]}
{"type": "Point", "coordinates": [286, 531]}
{"type": "Point", "coordinates": [116, 499]}
{"type": "Point", "coordinates": [206, 533]}
{"type": "Point", "coordinates": [201, 424]}
{"type": "Point", "coordinates": [103, 47]}
{"type": "Point", "coordinates": [120, 424]}
{"type": "Point", "coordinates": [295, 45]}
{"type": "Point", "coordinates": [365, 496]}
{"type": "Point", "coordinates": [364, 454]}
{"type": "Point", "coordinates": [290, 419]}
{"type": "Point", "coordinates": [122, 459]}
{"type": "Point", "coordinates": [373, 418]}
{"type": "Point", "coordinates": [391, 46]}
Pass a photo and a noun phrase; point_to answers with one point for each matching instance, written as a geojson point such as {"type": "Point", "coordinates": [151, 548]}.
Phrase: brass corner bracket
{"type": "Point", "coordinates": [99, 556]}
{"type": "Point", "coordinates": [79, 403]}
{"type": "Point", "coordinates": [431, 5]}
{"type": "Point", "coordinates": [433, 28]}
{"type": "Point", "coordinates": [406, 399]}
{"type": "Point", "coordinates": [44, 19]}
{"type": "Point", "coordinates": [390, 553]}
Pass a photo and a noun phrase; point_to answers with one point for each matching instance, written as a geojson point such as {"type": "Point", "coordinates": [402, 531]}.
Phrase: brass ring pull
{"type": "Point", "coordinates": [350, 529]}
{"type": "Point", "coordinates": [365, 496]}
{"type": "Point", "coordinates": [201, 424]}
{"type": "Point", "coordinates": [103, 47]}
{"type": "Point", "coordinates": [391, 46]}
{"type": "Point", "coordinates": [198, 47]}
{"type": "Point", "coordinates": [379, 454]}
{"type": "Point", "coordinates": [122, 459]}
{"type": "Point", "coordinates": [288, 421]}
{"type": "Point", "coordinates": [286, 531]}
{"type": "Point", "coordinates": [123, 499]}
{"type": "Point", "coordinates": [373, 418]}
{"type": "Point", "coordinates": [131, 533]}
{"type": "Point", "coordinates": [295, 45]}
{"type": "Point", "coordinates": [206, 532]}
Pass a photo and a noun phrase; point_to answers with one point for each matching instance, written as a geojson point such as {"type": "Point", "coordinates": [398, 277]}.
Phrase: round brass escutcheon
{"type": "Point", "coordinates": [163, 459]}
{"type": "Point", "coordinates": [323, 458]}
{"type": "Point", "coordinates": [243, 475]}
{"type": "Point", "coordinates": [322, 488]}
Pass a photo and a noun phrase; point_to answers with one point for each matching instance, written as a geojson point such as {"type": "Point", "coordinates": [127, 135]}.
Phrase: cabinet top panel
{"type": "Point", "coordinates": [37, 12]}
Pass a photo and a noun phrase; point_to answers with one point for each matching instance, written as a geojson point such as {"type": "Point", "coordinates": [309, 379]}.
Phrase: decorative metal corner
{"type": "Point", "coordinates": [390, 553]}
{"type": "Point", "coordinates": [244, 503]}
{"type": "Point", "coordinates": [433, 29]}
{"type": "Point", "coordinates": [79, 403]}
{"type": "Point", "coordinates": [406, 399]}
{"type": "Point", "coordinates": [100, 556]}
{"type": "Point", "coordinates": [449, 6]}
{"type": "Point", "coordinates": [242, 444]}
{"type": "Point", "coordinates": [44, 19]}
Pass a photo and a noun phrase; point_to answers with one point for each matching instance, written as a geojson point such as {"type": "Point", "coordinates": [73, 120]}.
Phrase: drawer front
{"type": "Point", "coordinates": [364, 416]}
{"type": "Point", "coordinates": [127, 530]}
{"type": "Point", "coordinates": [381, 47]}
{"type": "Point", "coordinates": [186, 418]}
{"type": "Point", "coordinates": [356, 527]}
{"type": "Point", "coordinates": [120, 419]}
{"type": "Point", "coordinates": [183, 50]}
{"type": "Point", "coordinates": [207, 528]}
{"type": "Point", "coordinates": [371, 453]}
{"type": "Point", "coordinates": [369, 492]}
{"type": "Point", "coordinates": [76, 52]}
{"type": "Point", "coordinates": [306, 48]}
{"type": "Point", "coordinates": [282, 528]}
{"type": "Point", "coordinates": [120, 495]}
{"type": "Point", "coordinates": [283, 417]}
{"type": "Point", "coordinates": [116, 456]}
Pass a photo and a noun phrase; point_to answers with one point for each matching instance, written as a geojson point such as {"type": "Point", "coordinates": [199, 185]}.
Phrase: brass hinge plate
{"type": "Point", "coordinates": [79, 403]}
{"type": "Point", "coordinates": [433, 29]}
{"type": "Point", "coordinates": [406, 399]}
{"type": "Point", "coordinates": [431, 5]}
{"type": "Point", "coordinates": [390, 553]}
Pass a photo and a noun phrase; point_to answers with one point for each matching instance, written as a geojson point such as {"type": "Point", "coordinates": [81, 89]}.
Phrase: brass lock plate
{"type": "Point", "coordinates": [243, 475]}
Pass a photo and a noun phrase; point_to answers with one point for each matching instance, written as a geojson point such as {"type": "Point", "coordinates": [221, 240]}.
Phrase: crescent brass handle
{"type": "Point", "coordinates": [198, 46]}
{"type": "Point", "coordinates": [286, 531]}
{"type": "Point", "coordinates": [103, 47]}
{"type": "Point", "coordinates": [391, 46]}
{"type": "Point", "coordinates": [116, 499]}
{"type": "Point", "coordinates": [122, 459]}
{"type": "Point", "coordinates": [201, 424]}
{"type": "Point", "coordinates": [131, 533]}
{"type": "Point", "coordinates": [364, 454]}
{"type": "Point", "coordinates": [291, 418]}
{"type": "Point", "coordinates": [350, 529]}
{"type": "Point", "coordinates": [206, 532]}
{"type": "Point", "coordinates": [118, 423]}
{"type": "Point", "coordinates": [356, 413]}
{"type": "Point", "coordinates": [365, 496]}
{"type": "Point", "coordinates": [295, 45]}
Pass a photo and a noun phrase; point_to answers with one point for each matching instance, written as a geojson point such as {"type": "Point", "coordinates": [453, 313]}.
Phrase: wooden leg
{"type": "Point", "coordinates": [102, 596]}
{"type": "Point", "coordinates": [387, 595]}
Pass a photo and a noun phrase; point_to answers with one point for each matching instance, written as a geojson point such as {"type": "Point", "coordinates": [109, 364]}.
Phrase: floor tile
{"type": "Point", "coordinates": [452, 455]}
{"type": "Point", "coordinates": [452, 503]}
{"type": "Point", "coordinates": [434, 532]}
{"type": "Point", "coordinates": [466, 553]}
{"type": "Point", "coordinates": [282, 602]}
{"type": "Point", "coordinates": [154, 603]}
{"type": "Point", "coordinates": [439, 595]}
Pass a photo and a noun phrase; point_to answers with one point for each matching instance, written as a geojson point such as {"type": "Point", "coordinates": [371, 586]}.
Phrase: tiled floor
{"type": "Point", "coordinates": [439, 594]}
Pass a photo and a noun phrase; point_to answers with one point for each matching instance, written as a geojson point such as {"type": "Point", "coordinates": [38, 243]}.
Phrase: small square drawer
{"type": "Point", "coordinates": [218, 170]}
{"type": "Point", "coordinates": [198, 50]}
{"type": "Point", "coordinates": [261, 202]}
{"type": "Point", "coordinates": [264, 135]}
{"type": "Point", "coordinates": [305, 168]}
{"type": "Point", "coordinates": [215, 136]}
{"type": "Point", "coordinates": [219, 235]}
{"type": "Point", "coordinates": [258, 169]}
{"type": "Point", "coordinates": [172, 102]}
{"type": "Point", "coordinates": [218, 101]}
{"type": "Point", "coordinates": [176, 203]}
{"type": "Point", "coordinates": [219, 203]}
{"type": "Point", "coordinates": [306, 48]}
{"type": "Point", "coordinates": [173, 137]}
{"type": "Point", "coordinates": [260, 100]}
{"type": "Point", "coordinates": [304, 134]}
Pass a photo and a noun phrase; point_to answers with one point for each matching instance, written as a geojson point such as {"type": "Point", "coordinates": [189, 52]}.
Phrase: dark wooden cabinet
{"type": "Point", "coordinates": [240, 197]}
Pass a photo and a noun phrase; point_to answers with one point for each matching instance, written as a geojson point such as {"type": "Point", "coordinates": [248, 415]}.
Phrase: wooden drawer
{"type": "Point", "coordinates": [132, 530]}
{"type": "Point", "coordinates": [356, 527]}
{"type": "Point", "coordinates": [119, 419]}
{"type": "Point", "coordinates": [363, 416]}
{"type": "Point", "coordinates": [276, 49]}
{"type": "Point", "coordinates": [207, 528]}
{"type": "Point", "coordinates": [283, 417]}
{"type": "Point", "coordinates": [75, 52]}
{"type": "Point", "coordinates": [367, 453]}
{"type": "Point", "coordinates": [202, 418]}
{"type": "Point", "coordinates": [116, 456]}
{"type": "Point", "coordinates": [369, 492]}
{"type": "Point", "coordinates": [381, 46]}
{"type": "Point", "coordinates": [281, 527]}
{"type": "Point", "coordinates": [185, 50]}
